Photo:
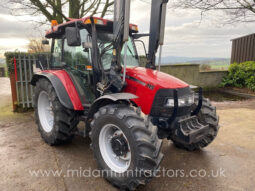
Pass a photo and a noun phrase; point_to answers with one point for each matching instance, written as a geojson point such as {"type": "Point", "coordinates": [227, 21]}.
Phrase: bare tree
{"type": "Point", "coordinates": [36, 46]}
{"type": "Point", "coordinates": [60, 10]}
{"type": "Point", "coordinates": [236, 10]}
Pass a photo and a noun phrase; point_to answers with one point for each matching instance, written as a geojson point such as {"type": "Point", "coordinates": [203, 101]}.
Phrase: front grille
{"type": "Point", "coordinates": [158, 107]}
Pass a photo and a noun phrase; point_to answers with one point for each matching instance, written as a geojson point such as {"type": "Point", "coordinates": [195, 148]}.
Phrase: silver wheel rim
{"type": "Point", "coordinates": [116, 163]}
{"type": "Point", "coordinates": [45, 112]}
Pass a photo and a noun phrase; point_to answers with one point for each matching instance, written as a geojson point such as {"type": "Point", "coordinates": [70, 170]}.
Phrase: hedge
{"type": "Point", "coordinates": [241, 75]}
{"type": "Point", "coordinates": [10, 55]}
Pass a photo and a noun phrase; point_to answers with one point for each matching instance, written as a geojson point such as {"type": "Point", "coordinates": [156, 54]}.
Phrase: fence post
{"type": "Point", "coordinates": [14, 93]}
{"type": "Point", "coordinates": [26, 80]}
{"type": "Point", "coordinates": [21, 81]}
{"type": "Point", "coordinates": [30, 78]}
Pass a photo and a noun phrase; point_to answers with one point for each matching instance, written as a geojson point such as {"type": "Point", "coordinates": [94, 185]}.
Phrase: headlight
{"type": "Point", "coordinates": [183, 101]}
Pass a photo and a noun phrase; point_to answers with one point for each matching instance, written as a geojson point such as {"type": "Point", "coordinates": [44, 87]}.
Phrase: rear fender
{"type": "Point", "coordinates": [63, 86]}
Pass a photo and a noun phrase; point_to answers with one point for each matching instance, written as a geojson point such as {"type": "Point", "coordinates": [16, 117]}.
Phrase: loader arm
{"type": "Point", "coordinates": [156, 35]}
{"type": "Point", "coordinates": [157, 28]}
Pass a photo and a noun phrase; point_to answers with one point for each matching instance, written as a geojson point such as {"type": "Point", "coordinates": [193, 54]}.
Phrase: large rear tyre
{"type": "Point", "coordinates": [56, 123]}
{"type": "Point", "coordinates": [206, 116]}
{"type": "Point", "coordinates": [123, 145]}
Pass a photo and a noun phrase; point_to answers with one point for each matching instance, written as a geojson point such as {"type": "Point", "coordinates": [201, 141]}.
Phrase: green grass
{"type": "Point", "coordinates": [220, 67]}
{"type": "Point", "coordinates": [222, 64]}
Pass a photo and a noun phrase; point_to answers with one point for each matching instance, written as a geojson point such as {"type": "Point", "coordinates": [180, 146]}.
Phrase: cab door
{"type": "Point", "coordinates": [77, 62]}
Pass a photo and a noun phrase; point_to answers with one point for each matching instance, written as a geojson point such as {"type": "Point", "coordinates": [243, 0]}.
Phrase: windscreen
{"type": "Point", "coordinates": [106, 48]}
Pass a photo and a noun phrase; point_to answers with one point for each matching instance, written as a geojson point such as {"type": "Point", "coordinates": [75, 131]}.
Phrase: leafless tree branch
{"type": "Point", "coordinates": [236, 10]}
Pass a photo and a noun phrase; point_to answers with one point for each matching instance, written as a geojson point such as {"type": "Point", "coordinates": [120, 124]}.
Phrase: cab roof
{"type": "Point", "coordinates": [58, 30]}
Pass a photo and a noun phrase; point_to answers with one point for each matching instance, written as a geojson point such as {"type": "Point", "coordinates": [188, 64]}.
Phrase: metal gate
{"type": "Point", "coordinates": [24, 66]}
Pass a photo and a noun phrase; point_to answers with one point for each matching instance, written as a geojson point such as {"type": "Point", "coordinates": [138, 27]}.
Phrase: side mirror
{"type": "Point", "coordinates": [137, 36]}
{"type": "Point", "coordinates": [73, 36]}
{"type": "Point", "coordinates": [45, 42]}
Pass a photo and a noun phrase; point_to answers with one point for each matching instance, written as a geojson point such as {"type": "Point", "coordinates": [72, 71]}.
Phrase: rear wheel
{"type": "Point", "coordinates": [124, 145]}
{"type": "Point", "coordinates": [56, 123]}
{"type": "Point", "coordinates": [206, 116]}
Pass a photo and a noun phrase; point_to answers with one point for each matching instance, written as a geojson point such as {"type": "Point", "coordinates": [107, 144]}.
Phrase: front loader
{"type": "Point", "coordinates": [94, 76]}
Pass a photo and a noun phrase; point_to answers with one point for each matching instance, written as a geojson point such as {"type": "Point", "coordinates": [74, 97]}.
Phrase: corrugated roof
{"type": "Point", "coordinates": [243, 36]}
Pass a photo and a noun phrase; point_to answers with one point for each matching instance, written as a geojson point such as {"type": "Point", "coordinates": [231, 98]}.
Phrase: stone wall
{"type": "Point", "coordinates": [191, 74]}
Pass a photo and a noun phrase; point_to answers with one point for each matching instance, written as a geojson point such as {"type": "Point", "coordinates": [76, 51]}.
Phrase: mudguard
{"type": "Point", "coordinates": [63, 86]}
{"type": "Point", "coordinates": [108, 99]}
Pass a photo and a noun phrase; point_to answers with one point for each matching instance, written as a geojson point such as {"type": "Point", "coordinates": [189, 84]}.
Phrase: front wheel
{"type": "Point", "coordinates": [126, 150]}
{"type": "Point", "coordinates": [206, 116]}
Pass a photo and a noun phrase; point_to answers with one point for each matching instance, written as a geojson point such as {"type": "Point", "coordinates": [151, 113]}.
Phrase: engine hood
{"type": "Point", "coordinates": [145, 83]}
{"type": "Point", "coordinates": [155, 78]}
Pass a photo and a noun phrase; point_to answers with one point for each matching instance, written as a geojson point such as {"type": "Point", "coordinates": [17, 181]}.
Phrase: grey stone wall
{"type": "Point", "coordinates": [191, 74]}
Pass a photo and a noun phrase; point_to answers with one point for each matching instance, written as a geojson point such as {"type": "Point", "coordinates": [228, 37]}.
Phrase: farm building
{"type": "Point", "coordinates": [243, 49]}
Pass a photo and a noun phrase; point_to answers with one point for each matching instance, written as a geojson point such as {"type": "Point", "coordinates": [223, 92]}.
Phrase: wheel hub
{"type": "Point", "coordinates": [119, 145]}
{"type": "Point", "coordinates": [114, 148]}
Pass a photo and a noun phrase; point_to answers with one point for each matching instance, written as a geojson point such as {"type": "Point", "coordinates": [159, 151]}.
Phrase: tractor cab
{"type": "Point", "coordinates": [72, 51]}
{"type": "Point", "coordinates": [82, 48]}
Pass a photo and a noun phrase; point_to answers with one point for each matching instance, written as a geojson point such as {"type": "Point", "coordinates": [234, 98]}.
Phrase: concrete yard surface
{"type": "Point", "coordinates": [27, 163]}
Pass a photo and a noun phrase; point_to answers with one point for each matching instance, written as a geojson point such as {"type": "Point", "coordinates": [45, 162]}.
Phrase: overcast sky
{"type": "Point", "coordinates": [185, 34]}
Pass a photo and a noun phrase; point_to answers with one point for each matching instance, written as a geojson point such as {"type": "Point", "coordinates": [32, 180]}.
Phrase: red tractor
{"type": "Point", "coordinates": [95, 76]}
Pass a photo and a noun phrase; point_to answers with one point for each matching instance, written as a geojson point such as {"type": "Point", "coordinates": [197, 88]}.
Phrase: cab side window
{"type": "Point", "coordinates": [56, 56]}
{"type": "Point", "coordinates": [74, 56]}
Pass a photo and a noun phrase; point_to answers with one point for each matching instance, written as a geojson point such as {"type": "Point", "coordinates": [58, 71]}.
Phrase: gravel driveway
{"type": "Point", "coordinates": [227, 164]}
